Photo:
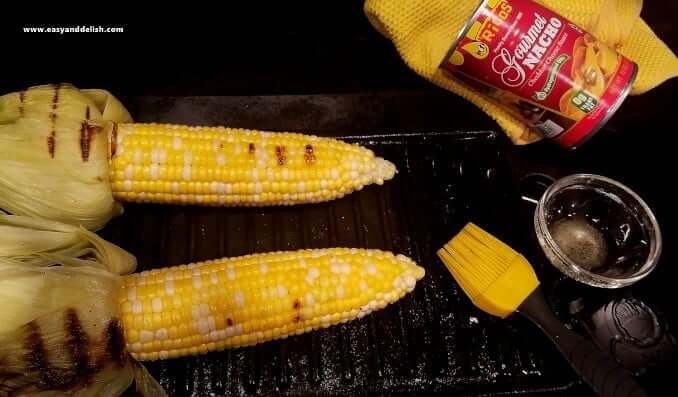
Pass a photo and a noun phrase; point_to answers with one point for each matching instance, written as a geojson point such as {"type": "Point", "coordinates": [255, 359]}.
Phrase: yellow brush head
{"type": "Point", "coordinates": [492, 274]}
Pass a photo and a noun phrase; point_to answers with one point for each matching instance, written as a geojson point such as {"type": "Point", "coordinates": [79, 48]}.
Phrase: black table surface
{"type": "Point", "coordinates": [328, 50]}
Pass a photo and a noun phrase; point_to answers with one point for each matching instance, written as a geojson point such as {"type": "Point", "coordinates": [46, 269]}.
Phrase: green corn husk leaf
{"type": "Point", "coordinates": [54, 154]}
{"type": "Point", "coordinates": [63, 343]}
{"type": "Point", "coordinates": [30, 240]}
{"type": "Point", "coordinates": [37, 300]}
{"type": "Point", "coordinates": [61, 333]}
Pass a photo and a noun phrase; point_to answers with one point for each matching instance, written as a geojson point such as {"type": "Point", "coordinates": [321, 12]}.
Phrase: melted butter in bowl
{"type": "Point", "coordinates": [581, 242]}
{"type": "Point", "coordinates": [597, 231]}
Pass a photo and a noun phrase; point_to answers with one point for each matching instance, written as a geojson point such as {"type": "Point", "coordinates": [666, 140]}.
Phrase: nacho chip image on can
{"type": "Point", "coordinates": [542, 68]}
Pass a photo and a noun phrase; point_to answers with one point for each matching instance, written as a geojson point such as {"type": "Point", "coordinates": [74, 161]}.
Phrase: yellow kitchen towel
{"type": "Point", "coordinates": [424, 30]}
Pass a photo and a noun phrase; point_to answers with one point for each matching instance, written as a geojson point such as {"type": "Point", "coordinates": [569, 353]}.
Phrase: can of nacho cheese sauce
{"type": "Point", "coordinates": [542, 68]}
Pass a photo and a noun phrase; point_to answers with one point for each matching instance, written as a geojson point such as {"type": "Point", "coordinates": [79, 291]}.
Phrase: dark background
{"type": "Point", "coordinates": [328, 50]}
{"type": "Point", "coordinates": [299, 47]}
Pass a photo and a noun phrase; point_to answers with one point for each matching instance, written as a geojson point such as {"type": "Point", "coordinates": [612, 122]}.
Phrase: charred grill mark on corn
{"type": "Point", "coordinates": [77, 344]}
{"type": "Point", "coordinates": [36, 356]}
{"type": "Point", "coordinates": [113, 143]}
{"type": "Point", "coordinates": [85, 138]}
{"type": "Point", "coordinates": [114, 338]}
{"type": "Point", "coordinates": [87, 132]}
{"type": "Point", "coordinates": [234, 167]}
{"type": "Point", "coordinates": [51, 139]}
{"type": "Point", "coordinates": [22, 99]}
{"type": "Point", "coordinates": [87, 113]}
{"type": "Point", "coordinates": [280, 154]}
{"type": "Point", "coordinates": [309, 157]}
{"type": "Point", "coordinates": [296, 305]}
{"type": "Point", "coordinates": [61, 356]}
{"type": "Point", "coordinates": [55, 98]}
{"type": "Point", "coordinates": [234, 302]}
{"type": "Point", "coordinates": [51, 144]}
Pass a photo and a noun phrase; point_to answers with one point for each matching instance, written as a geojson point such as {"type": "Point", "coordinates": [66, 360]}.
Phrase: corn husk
{"type": "Point", "coordinates": [54, 154]}
{"type": "Point", "coordinates": [32, 241]}
{"type": "Point", "coordinates": [61, 333]}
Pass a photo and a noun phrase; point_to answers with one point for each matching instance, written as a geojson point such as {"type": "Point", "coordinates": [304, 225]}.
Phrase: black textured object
{"type": "Point", "coordinates": [433, 340]}
{"type": "Point", "coordinates": [596, 367]}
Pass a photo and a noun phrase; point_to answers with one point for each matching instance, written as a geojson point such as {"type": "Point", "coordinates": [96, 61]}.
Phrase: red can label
{"type": "Point", "coordinates": [550, 73]}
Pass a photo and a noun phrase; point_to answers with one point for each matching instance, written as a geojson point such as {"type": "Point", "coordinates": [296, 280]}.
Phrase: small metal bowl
{"type": "Point", "coordinates": [597, 231]}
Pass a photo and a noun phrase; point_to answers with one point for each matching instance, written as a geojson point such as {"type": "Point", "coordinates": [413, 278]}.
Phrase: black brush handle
{"type": "Point", "coordinates": [596, 367]}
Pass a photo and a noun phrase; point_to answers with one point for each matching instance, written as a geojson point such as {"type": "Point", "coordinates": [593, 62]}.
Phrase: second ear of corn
{"type": "Point", "coordinates": [70, 155]}
{"type": "Point", "coordinates": [75, 322]}
{"type": "Point", "coordinates": [234, 302]}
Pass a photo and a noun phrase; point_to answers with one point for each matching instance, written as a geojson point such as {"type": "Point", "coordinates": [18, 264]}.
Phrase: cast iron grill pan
{"type": "Point", "coordinates": [432, 341]}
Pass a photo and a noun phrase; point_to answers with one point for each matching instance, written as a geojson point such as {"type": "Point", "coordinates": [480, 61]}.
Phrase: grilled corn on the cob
{"type": "Point", "coordinates": [235, 302]}
{"type": "Point", "coordinates": [71, 324]}
{"type": "Point", "coordinates": [225, 166]}
{"type": "Point", "coordinates": [70, 155]}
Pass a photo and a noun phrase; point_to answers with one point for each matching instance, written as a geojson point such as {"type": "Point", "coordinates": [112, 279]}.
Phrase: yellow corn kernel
{"type": "Point", "coordinates": [226, 166]}
{"type": "Point", "coordinates": [235, 302]}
